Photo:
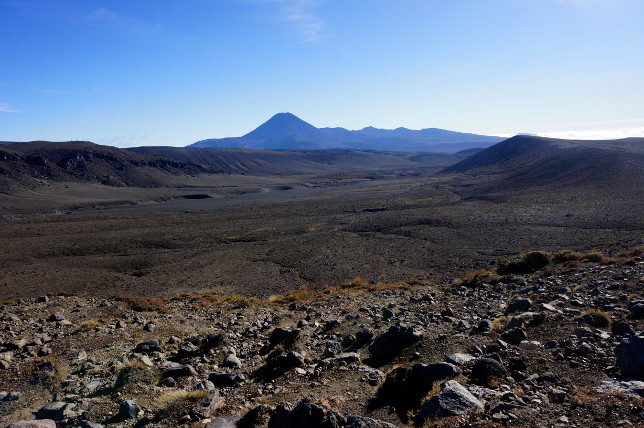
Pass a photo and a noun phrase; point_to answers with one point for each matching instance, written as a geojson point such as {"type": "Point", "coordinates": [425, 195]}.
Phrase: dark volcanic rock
{"type": "Point", "coordinates": [128, 409]}
{"type": "Point", "coordinates": [514, 336]}
{"type": "Point", "coordinates": [394, 340]}
{"type": "Point", "coordinates": [485, 369]}
{"type": "Point", "coordinates": [280, 364]}
{"type": "Point", "coordinates": [284, 336]}
{"type": "Point", "coordinates": [518, 305]}
{"type": "Point", "coordinates": [630, 357]}
{"type": "Point", "coordinates": [225, 379]}
{"type": "Point", "coordinates": [310, 415]}
{"type": "Point", "coordinates": [147, 347]}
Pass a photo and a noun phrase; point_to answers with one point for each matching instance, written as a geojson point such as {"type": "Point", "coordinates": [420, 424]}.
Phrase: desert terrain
{"type": "Point", "coordinates": [167, 287]}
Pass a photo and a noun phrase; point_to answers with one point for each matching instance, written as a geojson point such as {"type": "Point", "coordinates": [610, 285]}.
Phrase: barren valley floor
{"type": "Point", "coordinates": [260, 236]}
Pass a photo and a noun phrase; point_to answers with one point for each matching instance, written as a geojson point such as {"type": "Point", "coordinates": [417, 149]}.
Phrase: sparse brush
{"type": "Point", "coordinates": [133, 373]}
{"type": "Point", "coordinates": [240, 301]}
{"type": "Point", "coordinates": [302, 293]}
{"type": "Point", "coordinates": [566, 256]}
{"type": "Point", "coordinates": [477, 278]}
{"type": "Point", "coordinates": [171, 405]}
{"type": "Point", "coordinates": [356, 282]}
{"type": "Point", "coordinates": [597, 318]}
{"type": "Point", "coordinates": [499, 323]}
{"type": "Point", "coordinates": [593, 256]}
{"type": "Point", "coordinates": [89, 325]}
{"type": "Point", "coordinates": [530, 262]}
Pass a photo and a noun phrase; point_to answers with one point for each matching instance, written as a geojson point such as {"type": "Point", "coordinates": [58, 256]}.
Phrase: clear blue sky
{"type": "Point", "coordinates": [169, 72]}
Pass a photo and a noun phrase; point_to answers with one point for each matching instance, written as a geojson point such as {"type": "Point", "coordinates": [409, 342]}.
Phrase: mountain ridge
{"type": "Point", "coordinates": [287, 131]}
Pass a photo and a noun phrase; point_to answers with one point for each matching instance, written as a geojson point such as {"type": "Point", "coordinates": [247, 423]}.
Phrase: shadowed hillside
{"type": "Point", "coordinates": [81, 161]}
{"type": "Point", "coordinates": [280, 162]}
{"type": "Point", "coordinates": [525, 161]}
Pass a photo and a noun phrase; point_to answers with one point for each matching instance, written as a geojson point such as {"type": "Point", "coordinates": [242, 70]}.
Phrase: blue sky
{"type": "Point", "coordinates": [153, 72]}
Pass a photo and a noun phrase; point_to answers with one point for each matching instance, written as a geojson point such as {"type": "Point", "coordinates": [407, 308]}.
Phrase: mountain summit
{"type": "Point", "coordinates": [287, 131]}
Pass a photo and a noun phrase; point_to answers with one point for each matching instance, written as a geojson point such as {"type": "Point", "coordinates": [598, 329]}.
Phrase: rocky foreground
{"type": "Point", "coordinates": [542, 341]}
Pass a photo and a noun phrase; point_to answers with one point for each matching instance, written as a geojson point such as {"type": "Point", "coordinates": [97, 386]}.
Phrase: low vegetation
{"type": "Point", "coordinates": [477, 278]}
{"type": "Point", "coordinates": [529, 262]}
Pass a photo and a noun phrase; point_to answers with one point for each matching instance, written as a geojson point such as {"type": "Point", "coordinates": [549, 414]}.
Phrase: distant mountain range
{"type": "Point", "coordinates": [287, 131]}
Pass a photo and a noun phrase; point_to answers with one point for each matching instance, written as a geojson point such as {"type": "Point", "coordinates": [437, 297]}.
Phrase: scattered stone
{"type": "Point", "coordinates": [309, 415]}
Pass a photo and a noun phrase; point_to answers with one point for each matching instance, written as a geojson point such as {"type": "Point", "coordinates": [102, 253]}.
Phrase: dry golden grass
{"type": "Point", "coordinates": [172, 398]}
{"type": "Point", "coordinates": [204, 300]}
{"type": "Point", "coordinates": [477, 278]}
{"type": "Point", "coordinates": [301, 294]}
{"type": "Point", "coordinates": [499, 323]}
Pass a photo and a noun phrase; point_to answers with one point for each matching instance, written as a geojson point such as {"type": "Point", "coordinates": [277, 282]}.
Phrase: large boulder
{"type": "Point", "coordinates": [394, 340]}
{"type": "Point", "coordinates": [453, 400]}
{"type": "Point", "coordinates": [518, 305]}
{"type": "Point", "coordinates": [284, 336]}
{"type": "Point", "coordinates": [485, 369]}
{"type": "Point", "coordinates": [630, 357]}
{"type": "Point", "coordinates": [421, 378]}
{"type": "Point", "coordinates": [514, 335]}
{"type": "Point", "coordinates": [634, 388]}
{"type": "Point", "coordinates": [310, 415]}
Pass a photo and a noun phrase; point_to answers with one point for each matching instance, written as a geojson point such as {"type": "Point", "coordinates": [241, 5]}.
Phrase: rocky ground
{"type": "Point", "coordinates": [543, 341]}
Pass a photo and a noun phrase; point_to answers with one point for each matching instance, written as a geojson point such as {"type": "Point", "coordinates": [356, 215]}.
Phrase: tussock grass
{"type": "Point", "coordinates": [499, 323]}
{"type": "Point", "coordinates": [205, 300]}
{"type": "Point", "coordinates": [477, 278]}
{"type": "Point", "coordinates": [356, 282]}
{"type": "Point", "coordinates": [173, 398]}
{"type": "Point", "coordinates": [301, 294]}
{"type": "Point", "coordinates": [605, 316]}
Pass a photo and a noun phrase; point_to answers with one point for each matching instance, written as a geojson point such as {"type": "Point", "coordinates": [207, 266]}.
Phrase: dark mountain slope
{"type": "Point", "coordinates": [279, 162]}
{"type": "Point", "coordinates": [28, 163]}
{"type": "Point", "coordinates": [525, 161]}
{"type": "Point", "coordinates": [287, 131]}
